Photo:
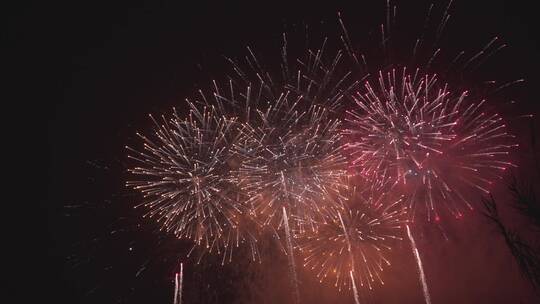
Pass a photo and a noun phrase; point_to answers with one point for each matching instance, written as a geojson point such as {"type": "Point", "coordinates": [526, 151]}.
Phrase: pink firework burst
{"type": "Point", "coordinates": [413, 133]}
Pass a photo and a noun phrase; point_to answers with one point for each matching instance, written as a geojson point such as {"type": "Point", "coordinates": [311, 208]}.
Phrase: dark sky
{"type": "Point", "coordinates": [107, 65]}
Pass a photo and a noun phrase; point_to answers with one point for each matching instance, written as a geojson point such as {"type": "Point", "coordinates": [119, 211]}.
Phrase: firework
{"type": "Point", "coordinates": [291, 161]}
{"type": "Point", "coordinates": [289, 148]}
{"type": "Point", "coordinates": [351, 246]}
{"type": "Point", "coordinates": [414, 134]}
{"type": "Point", "coordinates": [184, 174]}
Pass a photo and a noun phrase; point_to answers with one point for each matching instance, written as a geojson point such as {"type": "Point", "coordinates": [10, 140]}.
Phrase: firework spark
{"type": "Point", "coordinates": [416, 135]}
{"type": "Point", "coordinates": [184, 174]}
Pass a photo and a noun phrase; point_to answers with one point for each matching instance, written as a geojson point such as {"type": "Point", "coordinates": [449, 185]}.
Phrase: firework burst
{"type": "Point", "coordinates": [289, 150]}
{"type": "Point", "coordinates": [351, 245]}
{"type": "Point", "coordinates": [184, 173]}
{"type": "Point", "coordinates": [292, 159]}
{"type": "Point", "coordinates": [417, 136]}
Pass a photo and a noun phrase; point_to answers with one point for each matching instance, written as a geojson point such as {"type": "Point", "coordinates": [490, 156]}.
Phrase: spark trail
{"type": "Point", "coordinates": [420, 267]}
{"type": "Point", "coordinates": [290, 257]}
{"type": "Point", "coordinates": [355, 290]}
{"type": "Point", "coordinates": [178, 282]}
{"type": "Point", "coordinates": [349, 248]}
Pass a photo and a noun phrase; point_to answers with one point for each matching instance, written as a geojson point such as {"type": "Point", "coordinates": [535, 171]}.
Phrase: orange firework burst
{"type": "Point", "coordinates": [351, 245]}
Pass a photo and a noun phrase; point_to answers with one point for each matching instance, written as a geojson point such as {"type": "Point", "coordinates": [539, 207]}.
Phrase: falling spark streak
{"type": "Point", "coordinates": [420, 267]}
{"type": "Point", "coordinates": [178, 282]}
{"type": "Point", "coordinates": [184, 173]}
{"type": "Point", "coordinates": [349, 248]}
{"type": "Point", "coordinates": [290, 257]}
{"type": "Point", "coordinates": [176, 288]}
{"type": "Point", "coordinates": [355, 290]}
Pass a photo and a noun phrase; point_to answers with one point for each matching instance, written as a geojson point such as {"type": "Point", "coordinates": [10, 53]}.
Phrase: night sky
{"type": "Point", "coordinates": [107, 65]}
